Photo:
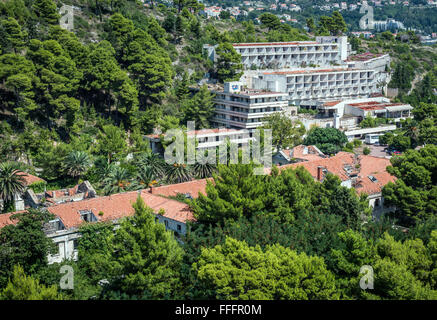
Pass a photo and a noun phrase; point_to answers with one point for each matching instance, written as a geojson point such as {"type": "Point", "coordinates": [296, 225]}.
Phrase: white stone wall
{"type": "Point", "coordinates": [64, 241]}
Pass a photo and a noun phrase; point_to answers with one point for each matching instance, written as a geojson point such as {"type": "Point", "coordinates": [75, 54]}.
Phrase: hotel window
{"type": "Point", "coordinates": [179, 227]}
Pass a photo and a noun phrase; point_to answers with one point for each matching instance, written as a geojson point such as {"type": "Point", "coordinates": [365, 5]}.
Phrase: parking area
{"type": "Point", "coordinates": [375, 150]}
{"type": "Point", "coordinates": [378, 151]}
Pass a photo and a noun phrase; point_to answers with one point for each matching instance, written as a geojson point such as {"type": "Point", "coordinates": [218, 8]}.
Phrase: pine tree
{"type": "Point", "coordinates": [23, 287]}
{"type": "Point", "coordinates": [148, 257]}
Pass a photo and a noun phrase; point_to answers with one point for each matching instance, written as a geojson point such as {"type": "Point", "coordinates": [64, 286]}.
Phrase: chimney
{"type": "Point", "coordinates": [319, 173]}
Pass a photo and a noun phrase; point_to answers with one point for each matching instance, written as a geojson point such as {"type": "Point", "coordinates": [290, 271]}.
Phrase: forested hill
{"type": "Point", "coordinates": [121, 60]}
{"type": "Point", "coordinates": [125, 69]}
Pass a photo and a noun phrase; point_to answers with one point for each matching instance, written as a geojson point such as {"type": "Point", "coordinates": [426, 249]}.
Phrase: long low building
{"type": "Point", "coordinates": [346, 115]}
{"type": "Point", "coordinates": [69, 216]}
{"type": "Point", "coordinates": [206, 138]}
{"type": "Point", "coordinates": [324, 51]}
{"type": "Point", "coordinates": [367, 174]}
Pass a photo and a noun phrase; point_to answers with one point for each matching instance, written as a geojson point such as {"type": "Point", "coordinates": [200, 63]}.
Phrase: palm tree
{"type": "Point", "coordinates": [11, 181]}
{"type": "Point", "coordinates": [77, 163]}
{"type": "Point", "coordinates": [205, 170]}
{"type": "Point", "coordinates": [144, 178]}
{"type": "Point", "coordinates": [117, 181]}
{"type": "Point", "coordinates": [155, 164]}
{"type": "Point", "coordinates": [177, 173]}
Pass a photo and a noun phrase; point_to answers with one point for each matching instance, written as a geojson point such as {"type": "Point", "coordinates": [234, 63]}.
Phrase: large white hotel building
{"type": "Point", "coordinates": [306, 85]}
{"type": "Point", "coordinates": [272, 55]}
{"type": "Point", "coordinates": [280, 75]}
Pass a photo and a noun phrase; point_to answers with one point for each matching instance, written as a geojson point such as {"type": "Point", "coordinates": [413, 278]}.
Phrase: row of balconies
{"type": "Point", "coordinates": [309, 48]}
{"type": "Point", "coordinates": [330, 83]}
{"type": "Point", "coordinates": [344, 93]}
{"type": "Point", "coordinates": [292, 54]}
{"type": "Point", "coordinates": [339, 77]}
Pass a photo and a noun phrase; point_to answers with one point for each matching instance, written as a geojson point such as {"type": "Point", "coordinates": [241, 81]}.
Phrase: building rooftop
{"type": "Point", "coordinates": [345, 165]}
{"type": "Point", "coordinates": [30, 179]}
{"type": "Point", "coordinates": [191, 188]}
{"type": "Point", "coordinates": [254, 44]}
{"type": "Point", "coordinates": [365, 56]}
{"type": "Point", "coordinates": [376, 105]}
{"type": "Point", "coordinates": [310, 71]}
{"type": "Point", "coordinates": [257, 92]}
{"type": "Point", "coordinates": [331, 103]}
{"type": "Point", "coordinates": [117, 206]}
{"type": "Point", "coordinates": [204, 132]}
{"type": "Point", "coordinates": [306, 153]}
{"type": "Point", "coordinates": [76, 193]}
{"type": "Point", "coordinates": [5, 218]}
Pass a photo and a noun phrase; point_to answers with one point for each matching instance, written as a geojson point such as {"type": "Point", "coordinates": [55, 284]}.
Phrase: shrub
{"type": "Point", "coordinates": [38, 187]}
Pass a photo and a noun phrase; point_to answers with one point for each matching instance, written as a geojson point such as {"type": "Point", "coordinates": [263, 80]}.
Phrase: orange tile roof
{"type": "Point", "coordinates": [62, 193]}
{"type": "Point", "coordinates": [29, 178]}
{"type": "Point", "coordinates": [119, 205]}
{"type": "Point", "coordinates": [313, 153]}
{"type": "Point", "coordinates": [373, 105]}
{"type": "Point", "coordinates": [5, 218]}
{"type": "Point", "coordinates": [331, 103]}
{"type": "Point", "coordinates": [192, 187]}
{"type": "Point", "coordinates": [369, 165]}
{"type": "Point", "coordinates": [377, 167]}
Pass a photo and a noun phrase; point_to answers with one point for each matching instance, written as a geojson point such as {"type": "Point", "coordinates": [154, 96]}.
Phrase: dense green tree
{"type": "Point", "coordinates": [199, 108]}
{"type": "Point", "coordinates": [270, 21]}
{"type": "Point", "coordinates": [328, 140]}
{"type": "Point", "coordinates": [310, 24]}
{"type": "Point", "coordinates": [414, 194]}
{"type": "Point", "coordinates": [285, 132]}
{"type": "Point", "coordinates": [229, 64]}
{"type": "Point", "coordinates": [145, 258]}
{"type": "Point", "coordinates": [13, 36]}
{"type": "Point", "coordinates": [236, 271]}
{"type": "Point", "coordinates": [237, 192]}
{"type": "Point", "coordinates": [182, 89]}
{"type": "Point", "coordinates": [111, 142]}
{"type": "Point", "coordinates": [23, 287]}
{"type": "Point", "coordinates": [338, 24]}
{"type": "Point", "coordinates": [46, 10]}
{"type": "Point", "coordinates": [24, 243]}
{"type": "Point", "coordinates": [401, 270]}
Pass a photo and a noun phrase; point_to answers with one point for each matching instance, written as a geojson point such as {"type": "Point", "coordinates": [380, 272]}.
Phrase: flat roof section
{"type": "Point", "coordinates": [256, 44]}
{"type": "Point", "coordinates": [315, 71]}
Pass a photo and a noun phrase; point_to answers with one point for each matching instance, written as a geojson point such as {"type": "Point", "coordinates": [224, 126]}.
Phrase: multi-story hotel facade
{"type": "Point", "coordinates": [241, 108]}
{"type": "Point", "coordinates": [277, 55]}
{"type": "Point", "coordinates": [304, 85]}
